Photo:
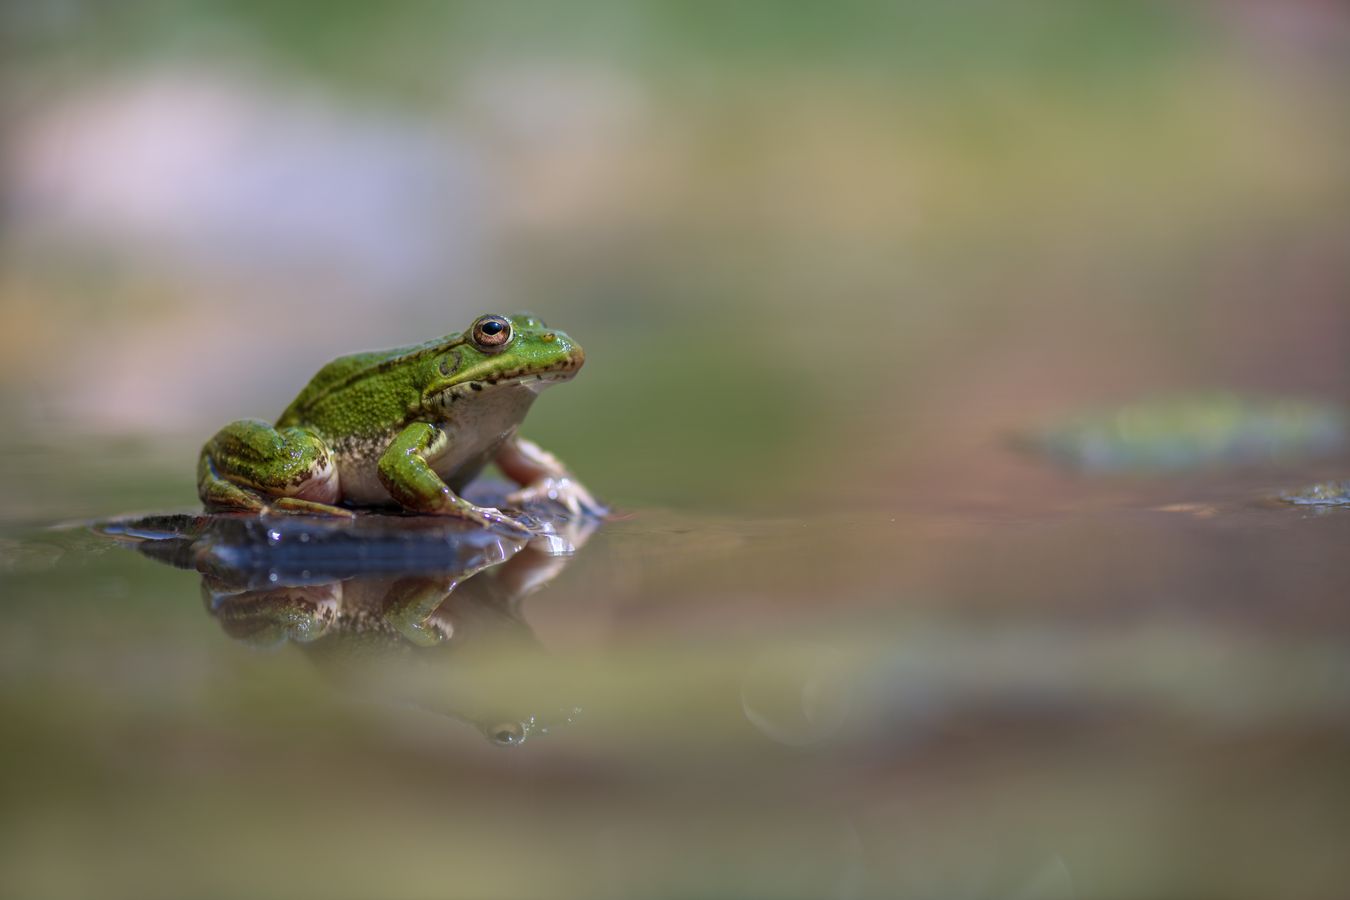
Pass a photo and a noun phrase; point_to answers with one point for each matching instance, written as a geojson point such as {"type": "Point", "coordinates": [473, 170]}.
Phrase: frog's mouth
{"type": "Point", "coordinates": [533, 379]}
{"type": "Point", "coordinates": [536, 381]}
{"type": "Point", "coordinates": [541, 380]}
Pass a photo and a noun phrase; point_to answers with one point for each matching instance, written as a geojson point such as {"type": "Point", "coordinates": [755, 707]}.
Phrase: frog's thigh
{"type": "Point", "coordinates": [252, 455]}
{"type": "Point", "coordinates": [406, 473]}
{"type": "Point", "coordinates": [217, 493]}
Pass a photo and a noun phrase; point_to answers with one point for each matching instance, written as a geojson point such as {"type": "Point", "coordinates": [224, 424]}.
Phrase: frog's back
{"type": "Point", "coordinates": [336, 385]}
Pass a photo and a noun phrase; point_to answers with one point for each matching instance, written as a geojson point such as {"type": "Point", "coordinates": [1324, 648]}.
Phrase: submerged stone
{"type": "Point", "coordinates": [1190, 431]}
{"type": "Point", "coordinates": [248, 549]}
{"type": "Point", "coordinates": [257, 550]}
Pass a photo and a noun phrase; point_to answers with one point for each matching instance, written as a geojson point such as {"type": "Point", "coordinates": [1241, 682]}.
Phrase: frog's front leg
{"type": "Point", "coordinates": [405, 470]}
{"type": "Point", "coordinates": [250, 466]}
{"type": "Point", "coordinates": [542, 476]}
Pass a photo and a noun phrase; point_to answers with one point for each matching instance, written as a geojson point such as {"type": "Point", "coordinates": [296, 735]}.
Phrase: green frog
{"type": "Point", "coordinates": [407, 427]}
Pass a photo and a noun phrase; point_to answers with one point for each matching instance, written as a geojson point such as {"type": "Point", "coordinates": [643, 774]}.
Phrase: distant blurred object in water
{"type": "Point", "coordinates": [1327, 493]}
{"type": "Point", "coordinates": [1193, 430]}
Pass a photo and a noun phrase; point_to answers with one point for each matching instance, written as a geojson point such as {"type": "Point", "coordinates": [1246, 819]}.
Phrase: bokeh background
{"type": "Point", "coordinates": [797, 240]}
{"type": "Point", "coordinates": [828, 262]}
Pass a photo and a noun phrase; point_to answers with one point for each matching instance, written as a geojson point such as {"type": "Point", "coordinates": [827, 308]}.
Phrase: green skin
{"type": "Point", "coordinates": [407, 427]}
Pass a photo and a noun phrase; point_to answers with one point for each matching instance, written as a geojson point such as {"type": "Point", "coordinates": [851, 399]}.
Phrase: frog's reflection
{"type": "Point", "coordinates": [437, 639]}
{"type": "Point", "coordinates": [418, 636]}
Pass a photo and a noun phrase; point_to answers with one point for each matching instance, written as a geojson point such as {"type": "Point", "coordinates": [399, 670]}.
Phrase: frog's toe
{"type": "Point", "coordinates": [297, 506]}
{"type": "Point", "coordinates": [493, 517]}
{"type": "Point", "coordinates": [567, 492]}
{"type": "Point", "coordinates": [226, 497]}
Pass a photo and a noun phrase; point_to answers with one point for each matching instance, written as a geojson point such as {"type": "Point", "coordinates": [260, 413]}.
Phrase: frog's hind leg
{"type": "Point", "coordinates": [250, 466]}
{"type": "Point", "coordinates": [542, 477]}
{"type": "Point", "coordinates": [220, 494]}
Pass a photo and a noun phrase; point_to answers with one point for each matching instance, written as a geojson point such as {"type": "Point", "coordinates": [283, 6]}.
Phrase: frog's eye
{"type": "Point", "coordinates": [492, 333]}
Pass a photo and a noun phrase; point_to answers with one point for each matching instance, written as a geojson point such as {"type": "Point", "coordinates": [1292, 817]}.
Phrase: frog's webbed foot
{"type": "Point", "coordinates": [492, 517]}
{"type": "Point", "coordinates": [566, 491]}
{"type": "Point", "coordinates": [543, 478]}
{"type": "Point", "coordinates": [227, 497]}
{"type": "Point", "coordinates": [296, 506]}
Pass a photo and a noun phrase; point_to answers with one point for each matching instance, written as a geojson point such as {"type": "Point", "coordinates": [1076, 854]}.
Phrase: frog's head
{"type": "Point", "coordinates": [498, 351]}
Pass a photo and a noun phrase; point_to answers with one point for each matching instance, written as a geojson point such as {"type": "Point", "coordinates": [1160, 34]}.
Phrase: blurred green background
{"type": "Point", "coordinates": [797, 240]}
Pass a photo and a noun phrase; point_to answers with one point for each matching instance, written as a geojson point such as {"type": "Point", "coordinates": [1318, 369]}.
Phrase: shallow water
{"type": "Point", "coordinates": [1140, 688]}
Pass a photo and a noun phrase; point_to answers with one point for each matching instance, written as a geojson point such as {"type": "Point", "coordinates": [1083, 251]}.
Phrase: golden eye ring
{"type": "Point", "coordinates": [491, 333]}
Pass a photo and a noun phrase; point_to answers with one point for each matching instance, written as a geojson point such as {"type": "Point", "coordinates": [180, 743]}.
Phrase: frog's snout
{"type": "Point", "coordinates": [570, 349]}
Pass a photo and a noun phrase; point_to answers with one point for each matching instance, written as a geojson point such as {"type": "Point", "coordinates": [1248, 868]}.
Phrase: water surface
{"type": "Point", "coordinates": [1132, 688]}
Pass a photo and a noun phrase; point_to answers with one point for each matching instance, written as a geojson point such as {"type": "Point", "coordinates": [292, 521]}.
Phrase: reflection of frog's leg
{"type": "Point", "coordinates": [406, 473]}
{"type": "Point", "coordinates": [410, 604]}
{"type": "Point", "coordinates": [536, 565]}
{"type": "Point", "coordinates": [272, 616]}
{"type": "Point", "coordinates": [542, 476]}
{"type": "Point", "coordinates": [251, 466]}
